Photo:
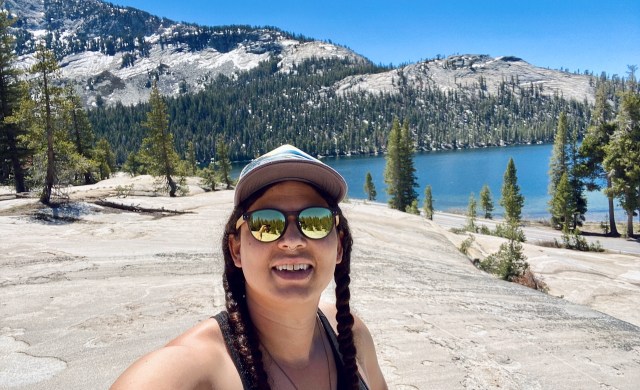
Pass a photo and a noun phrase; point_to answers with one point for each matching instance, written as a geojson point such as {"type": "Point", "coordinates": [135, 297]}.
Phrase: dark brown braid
{"type": "Point", "coordinates": [246, 340]}
{"type": "Point", "coordinates": [345, 319]}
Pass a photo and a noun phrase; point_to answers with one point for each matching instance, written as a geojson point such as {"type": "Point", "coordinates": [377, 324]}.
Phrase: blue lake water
{"type": "Point", "coordinates": [454, 175]}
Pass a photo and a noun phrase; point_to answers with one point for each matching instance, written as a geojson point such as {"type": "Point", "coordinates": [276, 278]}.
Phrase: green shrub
{"type": "Point", "coordinates": [413, 208]}
{"type": "Point", "coordinates": [506, 231]}
{"type": "Point", "coordinates": [124, 191]}
{"type": "Point", "coordinates": [458, 230]}
{"type": "Point", "coordinates": [508, 263]}
{"type": "Point", "coordinates": [576, 242]}
{"type": "Point", "coordinates": [466, 244]}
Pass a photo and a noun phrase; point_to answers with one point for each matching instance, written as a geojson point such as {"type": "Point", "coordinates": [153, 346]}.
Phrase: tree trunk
{"type": "Point", "coordinates": [88, 178]}
{"type": "Point", "coordinates": [613, 229]}
{"type": "Point", "coordinates": [18, 172]}
{"type": "Point", "coordinates": [630, 223]}
{"type": "Point", "coordinates": [172, 186]}
{"type": "Point", "coordinates": [50, 178]}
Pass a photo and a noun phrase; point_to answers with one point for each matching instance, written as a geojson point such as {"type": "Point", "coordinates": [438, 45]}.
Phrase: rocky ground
{"type": "Point", "coordinates": [86, 294]}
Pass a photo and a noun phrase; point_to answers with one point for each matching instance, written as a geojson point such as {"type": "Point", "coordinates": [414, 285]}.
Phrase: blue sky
{"type": "Point", "coordinates": [575, 35]}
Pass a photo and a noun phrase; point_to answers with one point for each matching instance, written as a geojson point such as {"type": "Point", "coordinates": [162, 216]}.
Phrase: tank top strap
{"type": "Point", "coordinates": [223, 320]}
{"type": "Point", "coordinates": [335, 347]}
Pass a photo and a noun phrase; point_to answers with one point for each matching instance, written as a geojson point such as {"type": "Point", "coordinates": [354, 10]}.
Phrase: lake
{"type": "Point", "coordinates": [455, 174]}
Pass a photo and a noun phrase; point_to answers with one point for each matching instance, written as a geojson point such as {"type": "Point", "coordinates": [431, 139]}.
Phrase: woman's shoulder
{"type": "Point", "coordinates": [365, 347]}
{"type": "Point", "coordinates": [198, 359]}
{"type": "Point", "coordinates": [361, 335]}
{"type": "Point", "coordinates": [206, 336]}
{"type": "Point", "coordinates": [330, 311]}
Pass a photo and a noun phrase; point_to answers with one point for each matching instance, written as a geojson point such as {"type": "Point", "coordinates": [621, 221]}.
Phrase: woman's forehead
{"type": "Point", "coordinates": [291, 195]}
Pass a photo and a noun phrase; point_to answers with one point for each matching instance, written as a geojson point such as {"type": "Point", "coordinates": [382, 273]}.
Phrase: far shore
{"type": "Point", "coordinates": [590, 228]}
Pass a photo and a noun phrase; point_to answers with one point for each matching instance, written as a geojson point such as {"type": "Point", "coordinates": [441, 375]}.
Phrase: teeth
{"type": "Point", "coordinates": [292, 267]}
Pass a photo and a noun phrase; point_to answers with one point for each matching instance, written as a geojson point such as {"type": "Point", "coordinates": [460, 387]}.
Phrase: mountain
{"type": "Point", "coordinates": [259, 87]}
{"type": "Point", "coordinates": [112, 54]}
{"type": "Point", "coordinates": [472, 72]}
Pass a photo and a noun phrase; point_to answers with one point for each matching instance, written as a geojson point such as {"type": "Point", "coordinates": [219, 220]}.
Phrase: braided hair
{"type": "Point", "coordinates": [246, 340]}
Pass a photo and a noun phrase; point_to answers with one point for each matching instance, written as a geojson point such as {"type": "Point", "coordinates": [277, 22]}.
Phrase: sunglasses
{"type": "Point", "coordinates": [268, 225]}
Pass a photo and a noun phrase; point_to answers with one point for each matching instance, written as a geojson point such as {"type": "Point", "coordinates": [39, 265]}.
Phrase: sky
{"type": "Point", "coordinates": [575, 35]}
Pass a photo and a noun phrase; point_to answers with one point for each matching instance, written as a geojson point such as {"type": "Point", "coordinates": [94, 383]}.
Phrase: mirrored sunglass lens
{"type": "Point", "coordinates": [266, 225]}
{"type": "Point", "coordinates": [316, 222]}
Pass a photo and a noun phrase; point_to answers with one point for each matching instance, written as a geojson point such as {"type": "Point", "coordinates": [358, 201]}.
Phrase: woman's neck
{"type": "Point", "coordinates": [296, 353]}
{"type": "Point", "coordinates": [289, 333]}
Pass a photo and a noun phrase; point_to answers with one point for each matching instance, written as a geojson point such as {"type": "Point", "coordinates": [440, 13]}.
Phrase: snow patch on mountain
{"type": "Point", "coordinates": [95, 74]}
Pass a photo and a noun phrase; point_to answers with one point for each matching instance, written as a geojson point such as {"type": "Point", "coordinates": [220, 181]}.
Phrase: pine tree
{"type": "Point", "coordinates": [428, 203]}
{"type": "Point", "coordinates": [47, 68]}
{"type": "Point", "coordinates": [223, 163]}
{"type": "Point", "coordinates": [399, 172]}
{"type": "Point", "coordinates": [486, 202]}
{"type": "Point", "coordinates": [80, 133]}
{"type": "Point", "coordinates": [564, 160]}
{"type": "Point", "coordinates": [472, 213]}
{"type": "Point", "coordinates": [408, 181]}
{"type": "Point", "coordinates": [209, 176]}
{"type": "Point", "coordinates": [623, 155]}
{"type": "Point", "coordinates": [558, 167]}
{"type": "Point", "coordinates": [12, 153]}
{"type": "Point", "coordinates": [133, 165]}
{"type": "Point", "coordinates": [562, 203]}
{"type": "Point", "coordinates": [158, 151]}
{"type": "Point", "coordinates": [392, 167]}
{"type": "Point", "coordinates": [42, 113]}
{"type": "Point", "coordinates": [511, 200]}
{"type": "Point", "coordinates": [575, 182]}
{"type": "Point", "coordinates": [105, 158]}
{"type": "Point", "coordinates": [192, 163]}
{"type": "Point", "coordinates": [560, 153]}
{"type": "Point", "coordinates": [510, 260]}
{"type": "Point", "coordinates": [369, 187]}
{"type": "Point", "coordinates": [592, 151]}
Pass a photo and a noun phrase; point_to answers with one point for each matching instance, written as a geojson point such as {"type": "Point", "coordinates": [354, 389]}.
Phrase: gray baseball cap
{"type": "Point", "coordinates": [288, 163]}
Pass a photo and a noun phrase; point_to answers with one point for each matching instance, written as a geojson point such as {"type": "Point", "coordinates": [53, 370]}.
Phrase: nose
{"type": "Point", "coordinates": [292, 238]}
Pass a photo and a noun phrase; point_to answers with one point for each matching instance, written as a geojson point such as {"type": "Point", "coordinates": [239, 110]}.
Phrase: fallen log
{"type": "Point", "coordinates": [136, 208]}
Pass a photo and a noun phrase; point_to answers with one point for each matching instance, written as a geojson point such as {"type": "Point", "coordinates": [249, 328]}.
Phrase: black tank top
{"type": "Point", "coordinates": [223, 321]}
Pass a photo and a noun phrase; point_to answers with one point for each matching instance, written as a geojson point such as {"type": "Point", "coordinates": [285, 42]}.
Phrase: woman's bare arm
{"type": "Point", "coordinates": [195, 360]}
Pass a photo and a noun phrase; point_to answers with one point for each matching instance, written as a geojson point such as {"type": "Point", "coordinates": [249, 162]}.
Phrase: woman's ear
{"type": "Point", "coordinates": [234, 248]}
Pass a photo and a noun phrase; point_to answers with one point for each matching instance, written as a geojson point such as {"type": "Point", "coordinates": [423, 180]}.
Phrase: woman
{"type": "Point", "coordinates": [275, 332]}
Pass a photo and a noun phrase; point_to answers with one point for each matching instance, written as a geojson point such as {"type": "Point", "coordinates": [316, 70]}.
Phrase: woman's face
{"type": "Point", "coordinates": [294, 267]}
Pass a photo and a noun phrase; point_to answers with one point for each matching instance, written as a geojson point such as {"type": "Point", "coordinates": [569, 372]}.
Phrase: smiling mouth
{"type": "Point", "coordinates": [292, 267]}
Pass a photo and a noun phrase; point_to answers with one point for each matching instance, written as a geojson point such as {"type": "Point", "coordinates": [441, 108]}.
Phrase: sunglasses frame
{"type": "Point", "coordinates": [246, 216]}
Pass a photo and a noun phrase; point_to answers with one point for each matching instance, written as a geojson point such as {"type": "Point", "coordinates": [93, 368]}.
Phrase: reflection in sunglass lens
{"type": "Point", "coordinates": [268, 225]}
{"type": "Point", "coordinates": [316, 222]}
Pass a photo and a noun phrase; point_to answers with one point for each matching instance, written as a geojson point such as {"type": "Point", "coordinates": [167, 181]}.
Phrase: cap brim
{"type": "Point", "coordinates": [318, 174]}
